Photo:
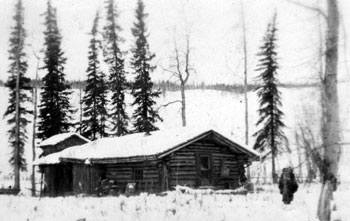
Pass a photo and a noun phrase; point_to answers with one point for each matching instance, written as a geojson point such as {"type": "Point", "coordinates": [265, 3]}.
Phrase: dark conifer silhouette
{"type": "Point", "coordinates": [55, 109]}
{"type": "Point", "coordinates": [19, 86]}
{"type": "Point", "coordinates": [94, 101]}
{"type": "Point", "coordinates": [145, 116]}
{"type": "Point", "coordinates": [271, 135]}
{"type": "Point", "coordinates": [117, 81]}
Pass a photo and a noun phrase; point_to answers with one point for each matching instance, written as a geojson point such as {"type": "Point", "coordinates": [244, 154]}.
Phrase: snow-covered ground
{"type": "Point", "coordinates": [265, 205]}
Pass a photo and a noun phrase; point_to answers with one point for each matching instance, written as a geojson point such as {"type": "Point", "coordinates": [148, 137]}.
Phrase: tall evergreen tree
{"type": "Point", "coordinates": [117, 81]}
{"type": "Point", "coordinates": [55, 110]}
{"type": "Point", "coordinates": [271, 135]}
{"type": "Point", "coordinates": [19, 87]}
{"type": "Point", "coordinates": [95, 98]}
{"type": "Point", "coordinates": [144, 115]}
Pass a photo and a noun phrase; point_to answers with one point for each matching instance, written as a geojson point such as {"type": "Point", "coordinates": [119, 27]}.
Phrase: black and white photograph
{"type": "Point", "coordinates": [165, 110]}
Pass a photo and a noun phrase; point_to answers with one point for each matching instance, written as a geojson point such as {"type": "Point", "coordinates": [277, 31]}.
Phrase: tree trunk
{"type": "Point", "coordinates": [245, 85]}
{"type": "Point", "coordinates": [35, 97]}
{"type": "Point", "coordinates": [274, 177]}
{"type": "Point", "coordinates": [310, 176]}
{"type": "Point", "coordinates": [324, 202]}
{"type": "Point", "coordinates": [81, 111]}
{"type": "Point", "coordinates": [183, 104]}
{"type": "Point", "coordinates": [17, 118]}
{"type": "Point", "coordinates": [330, 117]}
{"type": "Point", "coordinates": [273, 151]}
{"type": "Point", "coordinates": [16, 152]}
{"type": "Point", "coordinates": [35, 100]}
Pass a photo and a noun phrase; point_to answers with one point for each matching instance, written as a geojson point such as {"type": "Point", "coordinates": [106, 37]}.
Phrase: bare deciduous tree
{"type": "Point", "coordinates": [245, 82]}
{"type": "Point", "coordinates": [327, 157]}
{"type": "Point", "coordinates": [181, 69]}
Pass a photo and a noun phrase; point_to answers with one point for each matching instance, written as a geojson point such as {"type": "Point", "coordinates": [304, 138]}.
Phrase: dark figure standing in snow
{"type": "Point", "coordinates": [287, 185]}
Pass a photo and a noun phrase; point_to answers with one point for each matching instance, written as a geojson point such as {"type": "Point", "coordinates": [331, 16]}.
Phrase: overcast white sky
{"type": "Point", "coordinates": [216, 35]}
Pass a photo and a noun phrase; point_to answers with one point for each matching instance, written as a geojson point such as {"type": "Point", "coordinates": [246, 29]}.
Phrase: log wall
{"type": "Point", "coordinates": [181, 169]}
{"type": "Point", "coordinates": [184, 165]}
{"type": "Point", "coordinates": [124, 173]}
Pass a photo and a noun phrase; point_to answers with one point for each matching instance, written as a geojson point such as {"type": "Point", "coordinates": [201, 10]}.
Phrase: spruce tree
{"type": "Point", "coordinates": [55, 110]}
{"type": "Point", "coordinates": [95, 98]}
{"type": "Point", "coordinates": [145, 116]}
{"type": "Point", "coordinates": [271, 135]}
{"type": "Point", "coordinates": [19, 87]}
{"type": "Point", "coordinates": [117, 81]}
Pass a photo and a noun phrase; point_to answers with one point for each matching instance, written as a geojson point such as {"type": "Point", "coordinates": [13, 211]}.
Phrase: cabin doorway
{"type": "Point", "coordinates": [63, 179]}
{"type": "Point", "coordinates": [58, 180]}
{"type": "Point", "coordinates": [204, 169]}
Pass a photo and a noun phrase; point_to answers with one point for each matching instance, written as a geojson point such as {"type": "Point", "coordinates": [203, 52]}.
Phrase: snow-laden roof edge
{"type": "Point", "coordinates": [240, 147]}
{"type": "Point", "coordinates": [158, 144]}
{"type": "Point", "coordinates": [59, 138]}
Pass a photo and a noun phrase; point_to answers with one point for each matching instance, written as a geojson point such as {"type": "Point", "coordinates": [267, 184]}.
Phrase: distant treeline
{"type": "Point", "coordinates": [237, 88]}
{"type": "Point", "coordinates": [171, 86]}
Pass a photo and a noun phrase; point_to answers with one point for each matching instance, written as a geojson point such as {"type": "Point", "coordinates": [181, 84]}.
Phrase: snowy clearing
{"type": "Point", "coordinates": [265, 205]}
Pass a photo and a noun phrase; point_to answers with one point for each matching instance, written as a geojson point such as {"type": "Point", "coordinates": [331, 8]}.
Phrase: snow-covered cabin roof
{"type": "Point", "coordinates": [56, 139]}
{"type": "Point", "coordinates": [158, 144]}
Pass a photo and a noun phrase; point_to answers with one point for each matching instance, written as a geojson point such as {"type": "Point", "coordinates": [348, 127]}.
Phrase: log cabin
{"type": "Point", "coordinates": [151, 163]}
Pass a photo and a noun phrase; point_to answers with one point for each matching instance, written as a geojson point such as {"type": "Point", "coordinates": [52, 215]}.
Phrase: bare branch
{"type": "Point", "coordinates": [168, 70]}
{"type": "Point", "coordinates": [187, 56]}
{"type": "Point", "coordinates": [177, 59]}
{"type": "Point", "coordinates": [345, 43]}
{"type": "Point", "coordinates": [318, 10]}
{"type": "Point", "coordinates": [171, 102]}
{"type": "Point", "coordinates": [316, 157]}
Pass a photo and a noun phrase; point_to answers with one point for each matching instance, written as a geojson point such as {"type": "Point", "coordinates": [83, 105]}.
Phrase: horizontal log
{"type": "Point", "coordinates": [153, 176]}
{"type": "Point", "coordinates": [224, 155]}
{"type": "Point", "coordinates": [124, 182]}
{"type": "Point", "coordinates": [183, 168]}
{"type": "Point", "coordinates": [180, 173]}
{"type": "Point", "coordinates": [118, 176]}
{"type": "Point", "coordinates": [145, 171]}
{"type": "Point", "coordinates": [205, 144]}
{"type": "Point", "coordinates": [119, 166]}
{"type": "Point", "coordinates": [228, 164]}
{"type": "Point", "coordinates": [225, 159]}
{"type": "Point", "coordinates": [182, 162]}
{"type": "Point", "coordinates": [119, 172]}
{"type": "Point", "coordinates": [130, 175]}
{"type": "Point", "coordinates": [184, 156]}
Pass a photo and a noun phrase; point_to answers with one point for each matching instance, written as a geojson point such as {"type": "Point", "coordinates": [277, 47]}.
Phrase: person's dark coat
{"type": "Point", "coordinates": [287, 185]}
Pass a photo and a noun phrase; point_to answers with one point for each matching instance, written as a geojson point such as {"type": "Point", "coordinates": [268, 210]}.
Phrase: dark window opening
{"type": "Point", "coordinates": [138, 174]}
{"type": "Point", "coordinates": [204, 168]}
{"type": "Point", "coordinates": [205, 164]}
